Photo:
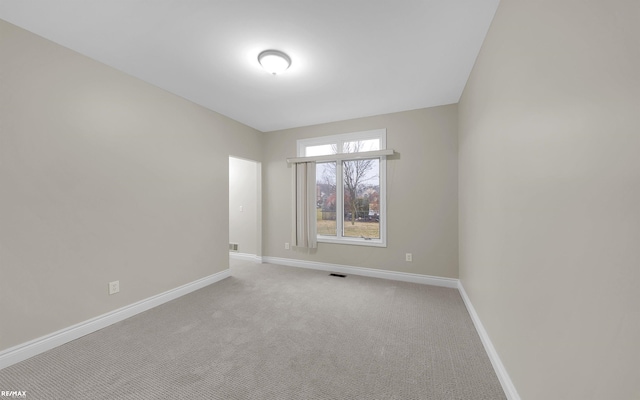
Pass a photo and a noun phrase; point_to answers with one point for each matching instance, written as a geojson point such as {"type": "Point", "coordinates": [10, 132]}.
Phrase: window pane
{"type": "Point", "coordinates": [361, 145]}
{"type": "Point", "coordinates": [320, 150]}
{"type": "Point", "coordinates": [326, 198]}
{"type": "Point", "coordinates": [362, 198]}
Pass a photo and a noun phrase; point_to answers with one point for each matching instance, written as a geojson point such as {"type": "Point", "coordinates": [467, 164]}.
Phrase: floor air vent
{"type": "Point", "coordinates": [233, 246]}
{"type": "Point", "coordinates": [338, 275]}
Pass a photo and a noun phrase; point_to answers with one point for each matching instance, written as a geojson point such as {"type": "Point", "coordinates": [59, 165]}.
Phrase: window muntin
{"type": "Point", "coordinates": [339, 218]}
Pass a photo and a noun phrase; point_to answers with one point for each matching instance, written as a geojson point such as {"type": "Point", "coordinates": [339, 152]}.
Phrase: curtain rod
{"type": "Point", "coordinates": [342, 156]}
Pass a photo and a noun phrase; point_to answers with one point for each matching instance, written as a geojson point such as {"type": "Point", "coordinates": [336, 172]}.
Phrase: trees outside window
{"type": "Point", "coordinates": [350, 189]}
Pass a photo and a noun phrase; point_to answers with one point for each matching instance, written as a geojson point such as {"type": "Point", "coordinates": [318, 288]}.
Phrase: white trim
{"type": "Point", "coordinates": [339, 158]}
{"type": "Point", "coordinates": [374, 273]}
{"type": "Point", "coordinates": [34, 347]}
{"type": "Point", "coordinates": [501, 372]}
{"type": "Point", "coordinates": [245, 257]}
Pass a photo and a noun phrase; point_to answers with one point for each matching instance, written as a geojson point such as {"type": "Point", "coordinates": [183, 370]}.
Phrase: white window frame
{"type": "Point", "coordinates": [380, 134]}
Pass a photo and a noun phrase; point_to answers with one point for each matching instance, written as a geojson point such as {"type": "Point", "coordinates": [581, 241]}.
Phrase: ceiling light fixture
{"type": "Point", "coordinates": [274, 61]}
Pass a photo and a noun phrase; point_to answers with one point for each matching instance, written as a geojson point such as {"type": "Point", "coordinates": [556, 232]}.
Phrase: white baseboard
{"type": "Point", "coordinates": [245, 257]}
{"type": "Point", "coordinates": [503, 376]}
{"type": "Point", "coordinates": [374, 273]}
{"type": "Point", "coordinates": [29, 349]}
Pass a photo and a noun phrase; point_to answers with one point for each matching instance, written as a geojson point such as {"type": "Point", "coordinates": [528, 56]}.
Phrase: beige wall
{"type": "Point", "coordinates": [550, 196]}
{"type": "Point", "coordinates": [422, 200]}
{"type": "Point", "coordinates": [102, 177]}
{"type": "Point", "coordinates": [244, 192]}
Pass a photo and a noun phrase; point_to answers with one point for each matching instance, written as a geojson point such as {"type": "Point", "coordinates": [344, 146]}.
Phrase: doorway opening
{"type": "Point", "coordinates": [245, 209]}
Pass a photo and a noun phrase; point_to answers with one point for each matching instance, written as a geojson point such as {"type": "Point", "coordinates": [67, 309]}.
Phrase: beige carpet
{"type": "Point", "coordinates": [273, 332]}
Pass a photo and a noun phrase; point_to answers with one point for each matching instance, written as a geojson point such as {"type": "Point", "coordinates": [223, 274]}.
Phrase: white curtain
{"type": "Point", "coordinates": [304, 205]}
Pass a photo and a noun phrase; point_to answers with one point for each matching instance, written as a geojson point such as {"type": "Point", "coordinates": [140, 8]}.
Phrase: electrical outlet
{"type": "Point", "coordinates": [286, 246]}
{"type": "Point", "coordinates": [114, 287]}
{"type": "Point", "coordinates": [408, 257]}
{"type": "Point", "coordinates": [241, 208]}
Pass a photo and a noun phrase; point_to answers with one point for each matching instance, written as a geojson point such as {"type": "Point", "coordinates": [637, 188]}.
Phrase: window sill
{"type": "Point", "coordinates": [352, 241]}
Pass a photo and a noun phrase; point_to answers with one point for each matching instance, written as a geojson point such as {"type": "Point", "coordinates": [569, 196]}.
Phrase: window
{"type": "Point", "coordinates": [350, 187]}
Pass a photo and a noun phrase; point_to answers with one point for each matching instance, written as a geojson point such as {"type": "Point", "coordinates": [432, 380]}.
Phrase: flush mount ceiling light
{"type": "Point", "coordinates": [274, 61]}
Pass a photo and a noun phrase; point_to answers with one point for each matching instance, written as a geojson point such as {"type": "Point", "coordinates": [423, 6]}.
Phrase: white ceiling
{"type": "Point", "coordinates": [350, 58]}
